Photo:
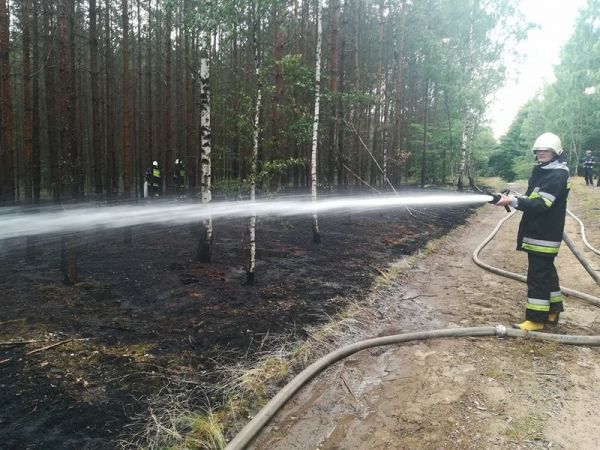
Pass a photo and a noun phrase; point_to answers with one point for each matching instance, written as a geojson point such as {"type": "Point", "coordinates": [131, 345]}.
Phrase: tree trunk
{"type": "Point", "coordinates": [334, 163]}
{"type": "Point", "coordinates": [150, 156]}
{"type": "Point", "coordinates": [7, 171]}
{"type": "Point", "coordinates": [109, 144]}
{"type": "Point", "coordinates": [377, 147]}
{"type": "Point", "coordinates": [51, 102]}
{"type": "Point", "coordinates": [36, 174]}
{"type": "Point", "coordinates": [96, 116]}
{"type": "Point", "coordinates": [168, 145]}
{"type": "Point", "coordinates": [315, 135]}
{"type": "Point", "coordinates": [26, 19]}
{"type": "Point", "coordinates": [205, 245]}
{"type": "Point", "coordinates": [251, 265]}
{"type": "Point", "coordinates": [68, 158]}
{"type": "Point", "coordinates": [127, 157]}
{"type": "Point", "coordinates": [463, 159]}
{"type": "Point", "coordinates": [424, 153]}
{"type": "Point", "coordinates": [277, 97]}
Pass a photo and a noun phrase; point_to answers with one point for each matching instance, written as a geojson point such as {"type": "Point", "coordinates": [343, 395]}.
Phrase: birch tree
{"type": "Point", "coordinates": [251, 265]}
{"type": "Point", "coordinates": [315, 135]}
{"type": "Point", "coordinates": [205, 244]}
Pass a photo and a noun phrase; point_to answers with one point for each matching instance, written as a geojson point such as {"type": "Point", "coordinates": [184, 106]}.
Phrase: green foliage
{"type": "Point", "coordinates": [230, 187]}
{"type": "Point", "coordinates": [570, 106]}
{"type": "Point", "coordinates": [297, 73]}
{"type": "Point", "coordinates": [301, 129]}
{"type": "Point", "coordinates": [268, 169]}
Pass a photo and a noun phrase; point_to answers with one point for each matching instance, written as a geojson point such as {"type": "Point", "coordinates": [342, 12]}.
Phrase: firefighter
{"type": "Point", "coordinates": [153, 179]}
{"type": "Point", "coordinates": [540, 232]}
{"type": "Point", "coordinates": [588, 168]}
{"type": "Point", "coordinates": [179, 177]}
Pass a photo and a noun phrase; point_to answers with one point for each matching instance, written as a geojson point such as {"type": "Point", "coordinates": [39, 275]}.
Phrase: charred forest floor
{"type": "Point", "coordinates": [78, 363]}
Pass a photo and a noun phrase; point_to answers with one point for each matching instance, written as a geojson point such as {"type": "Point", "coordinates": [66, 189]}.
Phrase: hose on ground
{"type": "Point", "coordinates": [582, 230]}
{"type": "Point", "coordinates": [586, 265]}
{"type": "Point", "coordinates": [252, 428]}
{"type": "Point", "coordinates": [247, 434]}
{"type": "Point", "coordinates": [505, 273]}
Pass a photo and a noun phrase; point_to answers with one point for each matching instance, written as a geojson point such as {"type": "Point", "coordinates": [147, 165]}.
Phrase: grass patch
{"type": "Point", "coordinates": [493, 373]}
{"type": "Point", "coordinates": [206, 431]}
{"type": "Point", "coordinates": [526, 428]}
{"type": "Point", "coordinates": [271, 370]}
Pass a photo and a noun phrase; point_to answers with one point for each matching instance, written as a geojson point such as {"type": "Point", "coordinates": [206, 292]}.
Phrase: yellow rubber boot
{"type": "Point", "coordinates": [553, 318]}
{"type": "Point", "coordinates": [528, 325]}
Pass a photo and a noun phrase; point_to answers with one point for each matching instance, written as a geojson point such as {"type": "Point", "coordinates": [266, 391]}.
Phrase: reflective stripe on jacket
{"type": "Point", "coordinates": [544, 206]}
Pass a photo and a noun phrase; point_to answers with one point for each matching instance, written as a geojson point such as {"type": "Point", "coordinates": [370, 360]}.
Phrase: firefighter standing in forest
{"type": "Point", "coordinates": [179, 177]}
{"type": "Point", "coordinates": [540, 233]}
{"type": "Point", "coordinates": [588, 168]}
{"type": "Point", "coordinates": [153, 179]}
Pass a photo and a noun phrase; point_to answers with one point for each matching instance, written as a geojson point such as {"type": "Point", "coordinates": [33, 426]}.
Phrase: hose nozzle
{"type": "Point", "coordinates": [496, 198]}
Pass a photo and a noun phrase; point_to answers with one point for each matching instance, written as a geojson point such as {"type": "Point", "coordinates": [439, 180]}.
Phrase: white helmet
{"type": "Point", "coordinates": [177, 161]}
{"type": "Point", "coordinates": [155, 163]}
{"type": "Point", "coordinates": [548, 141]}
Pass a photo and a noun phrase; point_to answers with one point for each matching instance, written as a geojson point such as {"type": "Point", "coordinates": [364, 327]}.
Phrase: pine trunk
{"type": "Point", "coordinates": [68, 158]}
{"type": "Point", "coordinates": [127, 156]}
{"type": "Point", "coordinates": [168, 145]}
{"type": "Point", "coordinates": [27, 100]}
{"type": "Point", "coordinates": [36, 174]}
{"type": "Point", "coordinates": [7, 171]}
{"type": "Point", "coordinates": [334, 158]}
{"type": "Point", "coordinates": [96, 115]}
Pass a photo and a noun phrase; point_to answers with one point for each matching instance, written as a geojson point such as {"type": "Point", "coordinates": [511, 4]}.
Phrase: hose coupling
{"type": "Point", "coordinates": [501, 331]}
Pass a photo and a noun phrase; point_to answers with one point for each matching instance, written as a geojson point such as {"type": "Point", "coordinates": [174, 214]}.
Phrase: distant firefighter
{"type": "Point", "coordinates": [588, 164]}
{"type": "Point", "coordinates": [153, 180]}
{"type": "Point", "coordinates": [179, 177]}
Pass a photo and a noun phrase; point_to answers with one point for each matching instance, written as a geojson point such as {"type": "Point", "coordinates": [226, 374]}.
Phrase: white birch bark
{"type": "Point", "coordinates": [313, 184]}
{"type": "Point", "coordinates": [251, 266]}
{"type": "Point", "coordinates": [204, 252]}
{"type": "Point", "coordinates": [463, 159]}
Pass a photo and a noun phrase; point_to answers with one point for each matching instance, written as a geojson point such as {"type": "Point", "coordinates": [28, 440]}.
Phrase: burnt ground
{"type": "Point", "coordinates": [146, 309]}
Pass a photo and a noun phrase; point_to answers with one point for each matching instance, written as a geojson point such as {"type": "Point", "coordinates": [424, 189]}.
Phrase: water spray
{"type": "Point", "coordinates": [21, 222]}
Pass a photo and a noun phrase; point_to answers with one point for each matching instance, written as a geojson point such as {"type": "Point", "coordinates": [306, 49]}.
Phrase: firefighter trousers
{"type": "Point", "coordinates": [543, 288]}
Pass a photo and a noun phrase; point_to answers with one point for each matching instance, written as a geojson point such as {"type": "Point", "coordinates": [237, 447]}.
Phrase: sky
{"type": "Point", "coordinates": [540, 53]}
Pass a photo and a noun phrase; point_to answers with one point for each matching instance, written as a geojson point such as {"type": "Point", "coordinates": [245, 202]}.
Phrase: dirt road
{"type": "Point", "coordinates": [461, 393]}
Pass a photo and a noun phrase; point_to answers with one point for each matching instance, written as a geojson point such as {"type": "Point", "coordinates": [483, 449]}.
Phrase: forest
{"type": "Point", "coordinates": [146, 345]}
{"type": "Point", "coordinates": [94, 91]}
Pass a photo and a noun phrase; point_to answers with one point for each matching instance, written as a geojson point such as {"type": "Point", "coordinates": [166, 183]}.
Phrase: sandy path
{"type": "Point", "coordinates": [461, 393]}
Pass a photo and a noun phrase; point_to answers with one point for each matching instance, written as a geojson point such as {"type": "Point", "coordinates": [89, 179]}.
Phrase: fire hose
{"type": "Point", "coordinates": [252, 428]}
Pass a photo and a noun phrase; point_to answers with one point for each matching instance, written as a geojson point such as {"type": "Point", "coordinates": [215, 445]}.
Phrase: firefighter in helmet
{"type": "Point", "coordinates": [153, 178]}
{"type": "Point", "coordinates": [588, 164]}
{"type": "Point", "coordinates": [179, 177]}
{"type": "Point", "coordinates": [541, 229]}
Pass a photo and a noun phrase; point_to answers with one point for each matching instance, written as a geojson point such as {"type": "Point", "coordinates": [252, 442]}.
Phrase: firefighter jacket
{"type": "Point", "coordinates": [153, 176]}
{"type": "Point", "coordinates": [544, 207]}
{"type": "Point", "coordinates": [588, 162]}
